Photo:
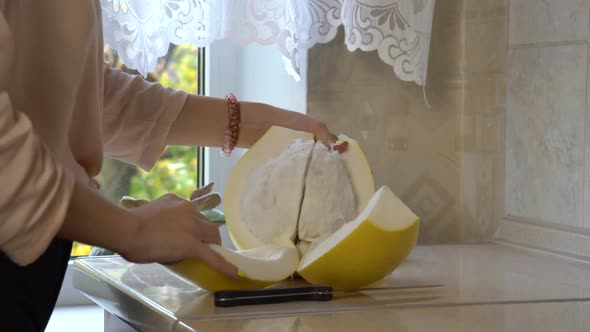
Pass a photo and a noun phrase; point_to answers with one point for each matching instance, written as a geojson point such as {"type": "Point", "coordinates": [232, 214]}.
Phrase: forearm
{"type": "Point", "coordinates": [203, 122]}
{"type": "Point", "coordinates": [94, 220]}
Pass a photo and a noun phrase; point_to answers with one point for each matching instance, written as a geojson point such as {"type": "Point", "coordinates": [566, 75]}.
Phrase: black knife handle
{"type": "Point", "coordinates": [232, 298]}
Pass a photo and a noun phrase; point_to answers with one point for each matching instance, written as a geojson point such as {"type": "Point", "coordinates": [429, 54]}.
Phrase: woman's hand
{"type": "Point", "coordinates": [171, 230]}
{"type": "Point", "coordinates": [321, 133]}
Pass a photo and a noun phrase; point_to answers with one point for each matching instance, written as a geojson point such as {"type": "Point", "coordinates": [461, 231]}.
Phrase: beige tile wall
{"type": "Point", "coordinates": [536, 21]}
{"type": "Point", "coordinates": [484, 117]}
{"type": "Point", "coordinates": [545, 133]}
{"type": "Point", "coordinates": [547, 93]}
{"type": "Point", "coordinates": [547, 150]}
{"type": "Point", "coordinates": [446, 162]}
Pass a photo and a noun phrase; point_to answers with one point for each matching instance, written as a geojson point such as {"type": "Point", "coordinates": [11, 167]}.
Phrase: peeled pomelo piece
{"type": "Point", "coordinates": [365, 250]}
{"type": "Point", "coordinates": [260, 193]}
{"type": "Point", "coordinates": [258, 268]}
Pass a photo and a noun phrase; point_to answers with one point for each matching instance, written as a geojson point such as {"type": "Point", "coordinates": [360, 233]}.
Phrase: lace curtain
{"type": "Point", "coordinates": [398, 30]}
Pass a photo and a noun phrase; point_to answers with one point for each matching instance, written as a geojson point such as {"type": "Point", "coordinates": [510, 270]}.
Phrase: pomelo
{"type": "Point", "coordinates": [292, 205]}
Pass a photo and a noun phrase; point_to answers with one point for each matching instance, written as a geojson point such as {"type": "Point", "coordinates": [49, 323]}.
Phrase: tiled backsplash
{"type": "Point", "coordinates": [548, 177]}
{"type": "Point", "coordinates": [446, 161]}
{"type": "Point", "coordinates": [503, 151]}
{"type": "Point", "coordinates": [536, 22]}
{"type": "Point", "coordinates": [545, 133]}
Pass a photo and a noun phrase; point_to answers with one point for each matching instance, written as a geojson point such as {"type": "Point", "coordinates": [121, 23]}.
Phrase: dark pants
{"type": "Point", "coordinates": [28, 294]}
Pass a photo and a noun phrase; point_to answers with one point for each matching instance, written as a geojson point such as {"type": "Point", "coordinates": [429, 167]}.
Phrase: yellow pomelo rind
{"type": "Point", "coordinates": [270, 145]}
{"type": "Point", "coordinates": [358, 262]}
{"type": "Point", "coordinates": [371, 248]}
{"type": "Point", "coordinates": [205, 277]}
{"type": "Point", "coordinates": [258, 268]}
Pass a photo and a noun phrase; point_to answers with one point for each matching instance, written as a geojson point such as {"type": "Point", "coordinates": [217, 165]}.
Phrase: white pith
{"type": "Point", "coordinates": [267, 263]}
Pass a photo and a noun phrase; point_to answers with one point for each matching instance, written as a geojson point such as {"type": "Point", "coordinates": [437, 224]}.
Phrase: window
{"type": "Point", "coordinates": [180, 169]}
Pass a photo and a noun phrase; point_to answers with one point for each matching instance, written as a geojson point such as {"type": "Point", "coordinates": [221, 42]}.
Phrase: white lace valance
{"type": "Point", "coordinates": [399, 30]}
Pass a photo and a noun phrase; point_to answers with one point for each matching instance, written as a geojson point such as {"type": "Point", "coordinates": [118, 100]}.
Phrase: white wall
{"type": "Point", "coordinates": [253, 73]}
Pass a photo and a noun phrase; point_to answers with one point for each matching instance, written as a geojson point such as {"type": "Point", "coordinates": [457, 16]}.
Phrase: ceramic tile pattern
{"type": "Point", "coordinates": [446, 162]}
{"type": "Point", "coordinates": [545, 133]}
{"type": "Point", "coordinates": [547, 150]}
{"type": "Point", "coordinates": [535, 21]}
{"type": "Point", "coordinates": [507, 129]}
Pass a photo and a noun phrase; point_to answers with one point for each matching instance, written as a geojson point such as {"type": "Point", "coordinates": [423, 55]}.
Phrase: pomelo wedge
{"type": "Point", "coordinates": [258, 268]}
{"type": "Point", "coordinates": [366, 249]}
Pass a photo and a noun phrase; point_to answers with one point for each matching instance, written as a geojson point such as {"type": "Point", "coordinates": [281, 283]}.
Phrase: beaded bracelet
{"type": "Point", "coordinates": [233, 128]}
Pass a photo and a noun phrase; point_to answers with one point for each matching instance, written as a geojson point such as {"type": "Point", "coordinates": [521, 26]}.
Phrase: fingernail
{"type": "Point", "coordinates": [341, 146]}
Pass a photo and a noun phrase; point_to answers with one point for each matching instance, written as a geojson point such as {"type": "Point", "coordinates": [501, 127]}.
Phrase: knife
{"type": "Point", "coordinates": [232, 298]}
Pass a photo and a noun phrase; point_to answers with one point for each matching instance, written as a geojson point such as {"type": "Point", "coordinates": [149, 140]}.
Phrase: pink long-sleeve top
{"type": "Point", "coordinates": [61, 109]}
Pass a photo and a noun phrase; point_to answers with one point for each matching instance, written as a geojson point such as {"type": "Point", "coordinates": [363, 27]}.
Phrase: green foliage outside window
{"type": "Point", "coordinates": [176, 173]}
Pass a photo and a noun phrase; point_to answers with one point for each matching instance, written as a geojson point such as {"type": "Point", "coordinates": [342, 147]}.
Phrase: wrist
{"type": "Point", "coordinates": [232, 132]}
{"type": "Point", "coordinates": [128, 240]}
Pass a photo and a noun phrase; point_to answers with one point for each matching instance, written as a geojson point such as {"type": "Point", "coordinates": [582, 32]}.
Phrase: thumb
{"type": "Point", "coordinates": [216, 261]}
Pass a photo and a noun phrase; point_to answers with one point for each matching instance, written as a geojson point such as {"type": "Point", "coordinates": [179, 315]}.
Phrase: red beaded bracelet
{"type": "Point", "coordinates": [233, 128]}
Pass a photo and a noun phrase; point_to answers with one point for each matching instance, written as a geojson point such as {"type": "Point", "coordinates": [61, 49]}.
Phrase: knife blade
{"type": "Point", "coordinates": [232, 298]}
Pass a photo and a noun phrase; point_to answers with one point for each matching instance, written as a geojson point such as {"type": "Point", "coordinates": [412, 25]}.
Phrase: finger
{"type": "Point", "coordinates": [327, 145]}
{"type": "Point", "coordinates": [202, 191]}
{"type": "Point", "coordinates": [332, 138]}
{"type": "Point", "coordinates": [216, 261]}
{"type": "Point", "coordinates": [207, 202]}
{"type": "Point", "coordinates": [171, 196]}
{"type": "Point", "coordinates": [326, 136]}
{"type": "Point", "coordinates": [341, 146]}
{"type": "Point", "coordinates": [206, 231]}
{"type": "Point", "coordinates": [327, 139]}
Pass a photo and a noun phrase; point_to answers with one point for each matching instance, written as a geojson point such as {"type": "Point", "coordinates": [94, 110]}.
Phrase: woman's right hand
{"type": "Point", "coordinates": [170, 230]}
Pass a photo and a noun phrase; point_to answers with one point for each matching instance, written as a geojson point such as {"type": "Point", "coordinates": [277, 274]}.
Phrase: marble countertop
{"type": "Point", "coordinates": [527, 317]}
{"type": "Point", "coordinates": [490, 279]}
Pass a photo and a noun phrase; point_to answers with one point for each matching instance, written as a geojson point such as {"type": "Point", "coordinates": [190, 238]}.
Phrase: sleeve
{"type": "Point", "coordinates": [137, 117]}
{"type": "Point", "coordinates": [36, 188]}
